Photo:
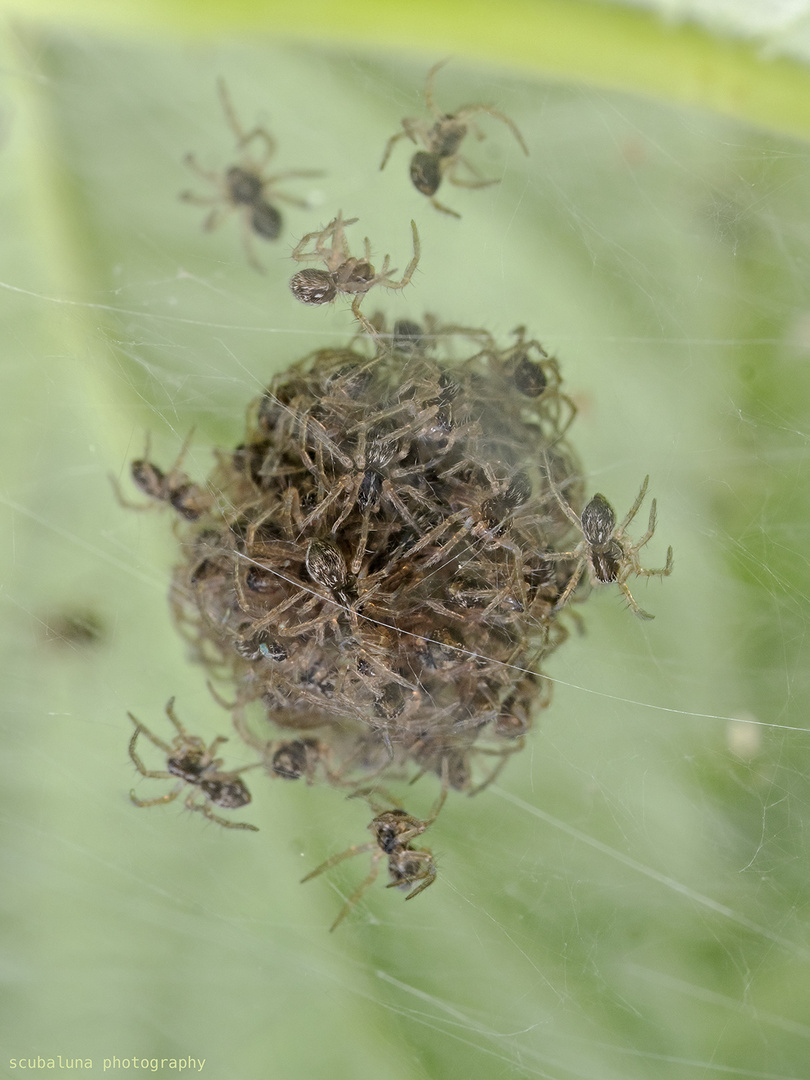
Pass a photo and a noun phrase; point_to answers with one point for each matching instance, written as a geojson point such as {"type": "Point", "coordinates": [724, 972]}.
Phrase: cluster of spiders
{"type": "Point", "coordinates": [246, 189]}
{"type": "Point", "coordinates": [380, 568]}
{"type": "Point", "coordinates": [384, 562]}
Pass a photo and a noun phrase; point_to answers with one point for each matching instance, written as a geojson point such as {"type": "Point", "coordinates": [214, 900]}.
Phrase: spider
{"type": "Point", "coordinates": [393, 831]}
{"type": "Point", "coordinates": [244, 187]}
{"type": "Point", "coordinates": [535, 374]}
{"type": "Point", "coordinates": [174, 487]}
{"type": "Point", "coordinates": [194, 764]}
{"type": "Point", "coordinates": [605, 550]}
{"type": "Point", "coordinates": [344, 273]}
{"type": "Point", "coordinates": [299, 757]}
{"type": "Point", "coordinates": [442, 141]}
{"type": "Point", "coordinates": [368, 484]}
{"type": "Point", "coordinates": [487, 521]}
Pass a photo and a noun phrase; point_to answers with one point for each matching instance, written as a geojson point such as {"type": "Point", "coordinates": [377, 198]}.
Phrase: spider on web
{"type": "Point", "coordinates": [345, 274]}
{"type": "Point", "coordinates": [244, 188]}
{"type": "Point", "coordinates": [442, 139]}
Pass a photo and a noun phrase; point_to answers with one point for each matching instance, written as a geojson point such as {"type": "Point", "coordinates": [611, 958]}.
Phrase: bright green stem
{"type": "Point", "coordinates": [603, 44]}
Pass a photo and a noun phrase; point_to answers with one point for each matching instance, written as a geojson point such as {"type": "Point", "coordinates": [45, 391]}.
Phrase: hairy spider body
{"type": "Point", "coordinates": [195, 765]}
{"type": "Point", "coordinates": [605, 551]}
{"type": "Point", "coordinates": [244, 188]}
{"type": "Point", "coordinates": [426, 172]}
{"type": "Point", "coordinates": [442, 141]}
{"type": "Point", "coordinates": [297, 758]}
{"type": "Point", "coordinates": [344, 274]}
{"type": "Point", "coordinates": [190, 500]}
{"type": "Point", "coordinates": [187, 498]}
{"type": "Point", "coordinates": [393, 831]}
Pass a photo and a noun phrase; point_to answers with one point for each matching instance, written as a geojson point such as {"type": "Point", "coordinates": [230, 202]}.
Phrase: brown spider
{"type": "Point", "coordinates": [393, 831]}
{"type": "Point", "coordinates": [344, 273]}
{"type": "Point", "coordinates": [376, 477]}
{"type": "Point", "coordinates": [442, 140]}
{"type": "Point", "coordinates": [299, 757]}
{"type": "Point", "coordinates": [188, 758]}
{"type": "Point", "coordinates": [244, 187]}
{"type": "Point", "coordinates": [536, 375]}
{"type": "Point", "coordinates": [605, 550]}
{"type": "Point", "coordinates": [174, 487]}
{"type": "Point", "coordinates": [486, 521]}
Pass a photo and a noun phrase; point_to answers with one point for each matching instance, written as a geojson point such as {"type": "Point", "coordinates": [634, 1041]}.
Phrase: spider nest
{"type": "Point", "coordinates": [374, 566]}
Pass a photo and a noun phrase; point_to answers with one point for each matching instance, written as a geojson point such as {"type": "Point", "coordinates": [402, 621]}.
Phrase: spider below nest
{"type": "Point", "coordinates": [393, 831]}
{"type": "Point", "coordinates": [188, 758]}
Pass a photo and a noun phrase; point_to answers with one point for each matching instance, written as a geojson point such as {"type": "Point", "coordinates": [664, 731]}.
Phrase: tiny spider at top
{"type": "Point", "coordinates": [605, 550]}
{"type": "Point", "coordinates": [244, 187]}
{"type": "Point", "coordinates": [442, 141]}
{"type": "Point", "coordinates": [344, 272]}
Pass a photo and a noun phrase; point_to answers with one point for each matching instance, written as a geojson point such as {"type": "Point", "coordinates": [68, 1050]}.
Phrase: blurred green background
{"type": "Point", "coordinates": [631, 899]}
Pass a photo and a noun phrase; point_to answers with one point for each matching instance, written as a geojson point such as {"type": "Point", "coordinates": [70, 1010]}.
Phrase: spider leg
{"type": "Point", "coordinates": [430, 877]}
{"type": "Point", "coordinates": [552, 483]}
{"type": "Point", "coordinates": [477, 182]}
{"type": "Point", "coordinates": [358, 892]}
{"type": "Point", "coordinates": [298, 251]}
{"type": "Point", "coordinates": [200, 200]}
{"type": "Point", "coordinates": [444, 209]}
{"type": "Point", "coordinates": [495, 773]}
{"type": "Point", "coordinates": [243, 138]}
{"type": "Point", "coordinates": [264, 135]}
{"type": "Point", "coordinates": [172, 795]}
{"type": "Point", "coordinates": [279, 196]}
{"type": "Point", "coordinates": [367, 326]}
{"type": "Point", "coordinates": [389, 146]}
{"type": "Point", "coordinates": [639, 612]}
{"type": "Point", "coordinates": [349, 853]}
{"type": "Point", "coordinates": [440, 801]}
{"type": "Point", "coordinates": [430, 100]}
{"type": "Point", "coordinates": [641, 571]}
{"type": "Point", "coordinates": [139, 727]}
{"type": "Point", "coordinates": [427, 877]}
{"type": "Point", "coordinates": [411, 267]}
{"type": "Point", "coordinates": [470, 110]}
{"type": "Point", "coordinates": [635, 508]}
{"type": "Point", "coordinates": [190, 161]}
{"type": "Point", "coordinates": [205, 808]}
{"type": "Point", "coordinates": [173, 717]}
{"type": "Point", "coordinates": [217, 216]}
{"type": "Point", "coordinates": [247, 239]}
{"type": "Point", "coordinates": [342, 485]}
{"type": "Point", "coordinates": [572, 584]}
{"type": "Point", "coordinates": [218, 741]}
{"type": "Point", "coordinates": [474, 184]}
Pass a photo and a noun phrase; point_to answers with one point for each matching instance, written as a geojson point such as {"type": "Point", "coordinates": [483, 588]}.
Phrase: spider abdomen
{"type": "Point", "coordinates": [229, 794]}
{"type": "Point", "coordinates": [426, 172]}
{"type": "Point", "coordinates": [313, 287]}
{"type": "Point", "coordinates": [265, 220]}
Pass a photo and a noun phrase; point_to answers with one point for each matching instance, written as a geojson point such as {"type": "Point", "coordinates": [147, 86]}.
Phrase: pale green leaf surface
{"type": "Point", "coordinates": [631, 900]}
